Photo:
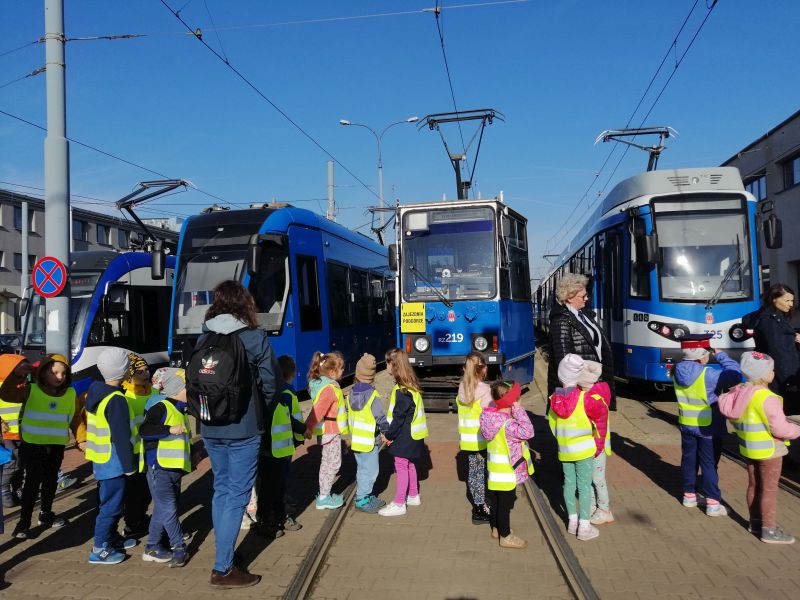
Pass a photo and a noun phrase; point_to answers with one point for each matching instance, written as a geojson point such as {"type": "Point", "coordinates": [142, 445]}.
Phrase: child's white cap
{"type": "Point", "coordinates": [756, 364]}
{"type": "Point", "coordinates": [569, 370]}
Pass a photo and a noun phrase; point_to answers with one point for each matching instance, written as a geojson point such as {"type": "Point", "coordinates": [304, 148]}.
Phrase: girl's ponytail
{"type": "Point", "coordinates": [474, 372]}
{"type": "Point", "coordinates": [316, 362]}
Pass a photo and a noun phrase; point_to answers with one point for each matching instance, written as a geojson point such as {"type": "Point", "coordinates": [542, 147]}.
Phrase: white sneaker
{"type": "Point", "coordinates": [413, 500]}
{"type": "Point", "coordinates": [572, 526]}
{"type": "Point", "coordinates": [393, 510]}
{"type": "Point", "coordinates": [587, 532]}
{"type": "Point", "coordinates": [601, 516]}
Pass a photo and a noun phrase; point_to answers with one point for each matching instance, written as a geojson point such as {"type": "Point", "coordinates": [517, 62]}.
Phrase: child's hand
{"type": "Point", "coordinates": [177, 430]}
{"type": "Point", "coordinates": [307, 434]}
{"type": "Point", "coordinates": [82, 446]}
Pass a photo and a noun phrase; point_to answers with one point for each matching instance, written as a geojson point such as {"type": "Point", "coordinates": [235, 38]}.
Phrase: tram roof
{"type": "Point", "coordinates": [459, 204]}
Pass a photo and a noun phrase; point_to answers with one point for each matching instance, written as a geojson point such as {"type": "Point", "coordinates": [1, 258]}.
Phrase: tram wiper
{"type": "Point", "coordinates": [736, 266]}
{"type": "Point", "coordinates": [413, 269]}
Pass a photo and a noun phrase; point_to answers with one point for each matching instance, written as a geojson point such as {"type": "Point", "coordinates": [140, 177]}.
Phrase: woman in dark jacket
{"type": "Point", "coordinates": [573, 330]}
{"type": "Point", "coordinates": [774, 335]}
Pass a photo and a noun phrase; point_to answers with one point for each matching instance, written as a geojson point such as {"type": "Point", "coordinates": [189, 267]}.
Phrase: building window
{"type": "Point", "coordinates": [2, 260]}
{"type": "Point", "coordinates": [18, 218]}
{"type": "Point", "coordinates": [80, 231]}
{"type": "Point", "coordinates": [124, 238]}
{"type": "Point", "coordinates": [791, 172]}
{"type": "Point", "coordinates": [757, 187]}
{"type": "Point", "coordinates": [102, 234]}
{"type": "Point", "coordinates": [18, 261]}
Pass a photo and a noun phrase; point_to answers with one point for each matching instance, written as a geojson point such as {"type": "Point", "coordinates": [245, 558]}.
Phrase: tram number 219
{"type": "Point", "coordinates": [641, 317]}
{"type": "Point", "coordinates": [451, 338]}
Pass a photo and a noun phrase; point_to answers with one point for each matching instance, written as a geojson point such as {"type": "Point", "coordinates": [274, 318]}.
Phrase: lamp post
{"type": "Point", "coordinates": [378, 138]}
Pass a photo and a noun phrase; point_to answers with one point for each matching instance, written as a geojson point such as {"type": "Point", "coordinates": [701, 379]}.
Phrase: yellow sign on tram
{"type": "Point", "coordinates": [412, 317]}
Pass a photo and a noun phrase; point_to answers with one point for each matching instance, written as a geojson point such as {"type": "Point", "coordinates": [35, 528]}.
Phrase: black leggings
{"type": "Point", "coordinates": [271, 489]}
{"type": "Point", "coordinates": [500, 504]}
{"type": "Point", "coordinates": [41, 463]}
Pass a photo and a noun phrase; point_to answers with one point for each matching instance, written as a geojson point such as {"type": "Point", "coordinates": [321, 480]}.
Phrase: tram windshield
{"type": "Point", "coordinates": [703, 254]}
{"type": "Point", "coordinates": [449, 252]}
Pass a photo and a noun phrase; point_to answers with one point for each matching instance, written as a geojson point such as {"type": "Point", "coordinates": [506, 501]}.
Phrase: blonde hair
{"type": "Point", "coordinates": [404, 375]}
{"type": "Point", "coordinates": [325, 364]}
{"type": "Point", "coordinates": [475, 370]}
{"type": "Point", "coordinates": [569, 285]}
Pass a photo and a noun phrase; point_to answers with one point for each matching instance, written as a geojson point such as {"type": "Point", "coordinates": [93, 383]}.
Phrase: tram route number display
{"type": "Point", "coordinates": [412, 317]}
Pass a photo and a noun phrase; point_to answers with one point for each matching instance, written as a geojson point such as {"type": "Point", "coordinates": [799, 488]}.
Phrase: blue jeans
{"type": "Point", "coordinates": [165, 488]}
{"type": "Point", "coordinates": [233, 463]}
{"type": "Point", "coordinates": [703, 454]}
{"type": "Point", "coordinates": [112, 494]}
{"type": "Point", "coordinates": [366, 472]}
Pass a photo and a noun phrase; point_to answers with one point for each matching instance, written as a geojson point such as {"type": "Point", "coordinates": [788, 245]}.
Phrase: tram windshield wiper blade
{"type": "Point", "coordinates": [736, 266]}
{"type": "Point", "coordinates": [413, 269]}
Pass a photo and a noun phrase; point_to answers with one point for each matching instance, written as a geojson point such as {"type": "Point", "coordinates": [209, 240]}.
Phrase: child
{"type": "Point", "coordinates": [51, 410]}
{"type": "Point", "coordinates": [328, 419]}
{"type": "Point", "coordinates": [108, 446]}
{"type": "Point", "coordinates": [506, 426]}
{"type": "Point", "coordinates": [757, 415]}
{"type": "Point", "coordinates": [165, 433]}
{"type": "Point", "coordinates": [275, 457]}
{"type": "Point", "coordinates": [474, 395]}
{"type": "Point", "coordinates": [587, 382]}
{"type": "Point", "coordinates": [702, 427]}
{"type": "Point", "coordinates": [367, 419]}
{"type": "Point", "coordinates": [573, 416]}
{"type": "Point", "coordinates": [407, 428]}
{"type": "Point", "coordinates": [14, 389]}
{"type": "Point", "coordinates": [138, 391]}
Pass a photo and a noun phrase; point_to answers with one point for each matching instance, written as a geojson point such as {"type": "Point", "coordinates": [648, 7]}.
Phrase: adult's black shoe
{"type": "Point", "coordinates": [234, 579]}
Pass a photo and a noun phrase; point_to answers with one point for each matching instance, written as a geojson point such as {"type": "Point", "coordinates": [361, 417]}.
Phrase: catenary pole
{"type": "Point", "coordinates": [56, 174]}
{"type": "Point", "coordinates": [23, 280]}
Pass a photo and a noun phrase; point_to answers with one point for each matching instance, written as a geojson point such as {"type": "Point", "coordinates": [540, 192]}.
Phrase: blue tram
{"type": "Point", "coordinates": [669, 252]}
{"type": "Point", "coordinates": [463, 284]}
{"type": "Point", "coordinates": [114, 301]}
{"type": "Point", "coordinates": [317, 285]}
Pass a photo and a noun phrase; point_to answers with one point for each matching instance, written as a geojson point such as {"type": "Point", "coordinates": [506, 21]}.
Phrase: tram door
{"type": "Point", "coordinates": [611, 308]}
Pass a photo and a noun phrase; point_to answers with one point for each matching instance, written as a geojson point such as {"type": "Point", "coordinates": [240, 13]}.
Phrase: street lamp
{"type": "Point", "coordinates": [378, 138]}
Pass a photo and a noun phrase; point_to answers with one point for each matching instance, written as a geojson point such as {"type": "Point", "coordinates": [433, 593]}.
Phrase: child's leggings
{"type": "Point", "coordinates": [599, 488]}
{"type": "Point", "coordinates": [500, 503]}
{"type": "Point", "coordinates": [331, 461]}
{"type": "Point", "coordinates": [476, 477]}
{"type": "Point", "coordinates": [762, 490]}
{"type": "Point", "coordinates": [407, 484]}
{"type": "Point", "coordinates": [578, 476]}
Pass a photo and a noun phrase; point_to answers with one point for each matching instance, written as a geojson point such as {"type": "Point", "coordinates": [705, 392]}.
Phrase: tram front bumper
{"type": "Point", "coordinates": [426, 360]}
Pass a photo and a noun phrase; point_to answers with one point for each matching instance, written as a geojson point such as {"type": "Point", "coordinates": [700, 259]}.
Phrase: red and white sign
{"type": "Point", "coordinates": [49, 277]}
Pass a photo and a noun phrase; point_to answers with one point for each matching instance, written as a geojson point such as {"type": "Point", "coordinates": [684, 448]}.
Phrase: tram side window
{"type": "Point", "coordinates": [359, 290]}
{"type": "Point", "coordinates": [308, 294]}
{"type": "Point", "coordinates": [270, 288]}
{"type": "Point", "coordinates": [520, 274]}
{"type": "Point", "coordinates": [615, 281]}
{"type": "Point", "coordinates": [639, 269]}
{"type": "Point", "coordinates": [338, 295]}
{"type": "Point", "coordinates": [377, 299]}
{"type": "Point", "coordinates": [112, 322]}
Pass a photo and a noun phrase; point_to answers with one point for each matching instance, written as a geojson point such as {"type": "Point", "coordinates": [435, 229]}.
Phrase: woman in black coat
{"type": "Point", "coordinates": [774, 335]}
{"type": "Point", "coordinates": [573, 330]}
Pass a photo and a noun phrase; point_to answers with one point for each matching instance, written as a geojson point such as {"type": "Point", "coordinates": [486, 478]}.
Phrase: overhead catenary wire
{"type": "Point", "coordinates": [31, 74]}
{"type": "Point", "coordinates": [18, 48]}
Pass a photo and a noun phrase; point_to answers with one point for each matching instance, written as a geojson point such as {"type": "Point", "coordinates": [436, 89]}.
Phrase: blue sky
{"type": "Point", "coordinates": [560, 72]}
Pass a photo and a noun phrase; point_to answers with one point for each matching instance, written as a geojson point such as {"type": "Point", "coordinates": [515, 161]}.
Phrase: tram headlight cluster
{"type": "Point", "coordinates": [480, 343]}
{"type": "Point", "coordinates": [422, 344]}
{"type": "Point", "coordinates": [672, 331]}
{"type": "Point", "coordinates": [739, 333]}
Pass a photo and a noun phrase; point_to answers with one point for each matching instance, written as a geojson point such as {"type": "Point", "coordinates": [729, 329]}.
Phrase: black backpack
{"type": "Point", "coordinates": [218, 379]}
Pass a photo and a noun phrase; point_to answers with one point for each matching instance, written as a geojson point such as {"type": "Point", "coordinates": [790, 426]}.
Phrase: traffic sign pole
{"type": "Point", "coordinates": [56, 175]}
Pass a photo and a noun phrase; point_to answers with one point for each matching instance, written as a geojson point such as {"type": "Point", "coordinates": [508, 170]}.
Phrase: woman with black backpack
{"type": "Point", "coordinates": [231, 379]}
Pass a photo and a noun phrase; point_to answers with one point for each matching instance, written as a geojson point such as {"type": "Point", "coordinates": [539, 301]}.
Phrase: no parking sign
{"type": "Point", "coordinates": [49, 277]}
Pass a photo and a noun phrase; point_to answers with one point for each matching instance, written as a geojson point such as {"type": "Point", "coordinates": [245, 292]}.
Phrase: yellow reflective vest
{"type": "Point", "coordinates": [469, 426]}
{"type": "Point", "coordinates": [419, 424]}
{"type": "Point", "coordinates": [9, 412]}
{"type": "Point", "coordinates": [756, 441]}
{"type": "Point", "coordinates": [341, 414]}
{"type": "Point", "coordinates": [693, 406]}
{"type": "Point", "coordinates": [98, 432]}
{"type": "Point", "coordinates": [502, 474]}
{"type": "Point", "coordinates": [45, 418]}
{"type": "Point", "coordinates": [607, 447]}
{"type": "Point", "coordinates": [174, 451]}
{"type": "Point", "coordinates": [137, 404]}
{"type": "Point", "coordinates": [297, 414]}
{"type": "Point", "coordinates": [363, 426]}
{"type": "Point", "coordinates": [575, 435]}
{"type": "Point", "coordinates": [282, 439]}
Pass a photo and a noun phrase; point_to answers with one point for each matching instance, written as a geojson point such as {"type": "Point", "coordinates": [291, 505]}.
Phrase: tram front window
{"type": "Point", "coordinates": [270, 288]}
{"type": "Point", "coordinates": [449, 252]}
{"type": "Point", "coordinates": [701, 251]}
{"type": "Point", "coordinates": [36, 315]}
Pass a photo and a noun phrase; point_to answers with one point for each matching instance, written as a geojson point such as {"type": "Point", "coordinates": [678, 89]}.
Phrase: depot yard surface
{"type": "Point", "coordinates": [656, 548]}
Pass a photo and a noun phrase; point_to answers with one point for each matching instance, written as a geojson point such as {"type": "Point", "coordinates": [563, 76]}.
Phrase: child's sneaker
{"type": "Point", "coordinates": [106, 556]}
{"type": "Point", "coordinates": [370, 504]}
{"type": "Point", "coordinates": [65, 481]}
{"type": "Point", "coordinates": [754, 526]}
{"type": "Point", "coordinates": [179, 557]}
{"type": "Point", "coordinates": [716, 510]}
{"type": "Point", "coordinates": [496, 535]}
{"type": "Point", "coordinates": [587, 531]}
{"type": "Point", "coordinates": [393, 510]}
{"type": "Point", "coordinates": [601, 516]}
{"type": "Point", "coordinates": [479, 515]}
{"type": "Point", "coordinates": [513, 541]}
{"type": "Point", "coordinates": [776, 535]}
{"type": "Point", "coordinates": [413, 500]}
{"type": "Point", "coordinates": [49, 519]}
{"type": "Point", "coordinates": [329, 502]}
{"type": "Point", "coordinates": [122, 543]}
{"type": "Point", "coordinates": [291, 525]}
{"type": "Point", "coordinates": [690, 500]}
{"type": "Point", "coordinates": [156, 554]}
{"type": "Point", "coordinates": [572, 526]}
{"type": "Point", "coordinates": [21, 533]}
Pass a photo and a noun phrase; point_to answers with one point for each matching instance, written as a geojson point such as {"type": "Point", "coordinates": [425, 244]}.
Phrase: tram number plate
{"type": "Point", "coordinates": [451, 338]}
{"type": "Point", "coordinates": [716, 334]}
{"type": "Point", "coordinates": [641, 317]}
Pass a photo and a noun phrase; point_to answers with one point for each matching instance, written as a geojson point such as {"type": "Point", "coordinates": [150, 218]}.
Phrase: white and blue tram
{"type": "Point", "coordinates": [669, 252]}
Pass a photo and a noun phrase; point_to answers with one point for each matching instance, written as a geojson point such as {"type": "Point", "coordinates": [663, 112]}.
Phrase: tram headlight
{"type": "Point", "coordinates": [421, 344]}
{"type": "Point", "coordinates": [480, 343]}
{"type": "Point", "coordinates": [739, 333]}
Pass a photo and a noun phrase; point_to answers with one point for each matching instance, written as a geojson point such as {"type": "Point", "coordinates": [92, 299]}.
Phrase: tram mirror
{"type": "Point", "coordinates": [393, 257]}
{"type": "Point", "coordinates": [254, 255]}
{"type": "Point", "coordinates": [651, 247]}
{"type": "Point", "coordinates": [158, 261]}
{"type": "Point", "coordinates": [22, 307]}
{"type": "Point", "coordinates": [773, 232]}
{"type": "Point", "coordinates": [506, 224]}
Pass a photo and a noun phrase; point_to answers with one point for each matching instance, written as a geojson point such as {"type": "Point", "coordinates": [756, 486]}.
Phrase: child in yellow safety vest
{"type": "Point", "coordinates": [507, 428]}
{"type": "Point", "coordinates": [109, 421]}
{"type": "Point", "coordinates": [328, 421]}
{"type": "Point", "coordinates": [283, 433]}
{"type": "Point", "coordinates": [574, 417]}
{"type": "Point", "coordinates": [367, 421]}
{"type": "Point", "coordinates": [763, 430]}
{"type": "Point", "coordinates": [14, 388]}
{"type": "Point", "coordinates": [166, 456]}
{"type": "Point", "coordinates": [474, 395]}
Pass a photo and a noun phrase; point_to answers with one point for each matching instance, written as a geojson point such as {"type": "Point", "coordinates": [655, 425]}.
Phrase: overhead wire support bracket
{"type": "Point", "coordinates": [135, 198]}
{"type": "Point", "coordinates": [618, 135]}
{"type": "Point", "coordinates": [486, 116]}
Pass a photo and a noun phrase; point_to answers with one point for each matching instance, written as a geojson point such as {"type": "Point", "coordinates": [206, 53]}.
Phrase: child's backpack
{"type": "Point", "coordinates": [218, 379]}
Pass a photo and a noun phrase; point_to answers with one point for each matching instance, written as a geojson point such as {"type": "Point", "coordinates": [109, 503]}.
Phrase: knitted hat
{"type": "Point", "coordinates": [137, 363]}
{"type": "Point", "coordinates": [113, 364]}
{"type": "Point", "coordinates": [173, 382]}
{"type": "Point", "coordinates": [365, 368]}
{"type": "Point", "coordinates": [569, 369]}
{"type": "Point", "coordinates": [511, 396]}
{"type": "Point", "coordinates": [756, 364]}
{"type": "Point", "coordinates": [158, 378]}
{"type": "Point", "coordinates": [589, 374]}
